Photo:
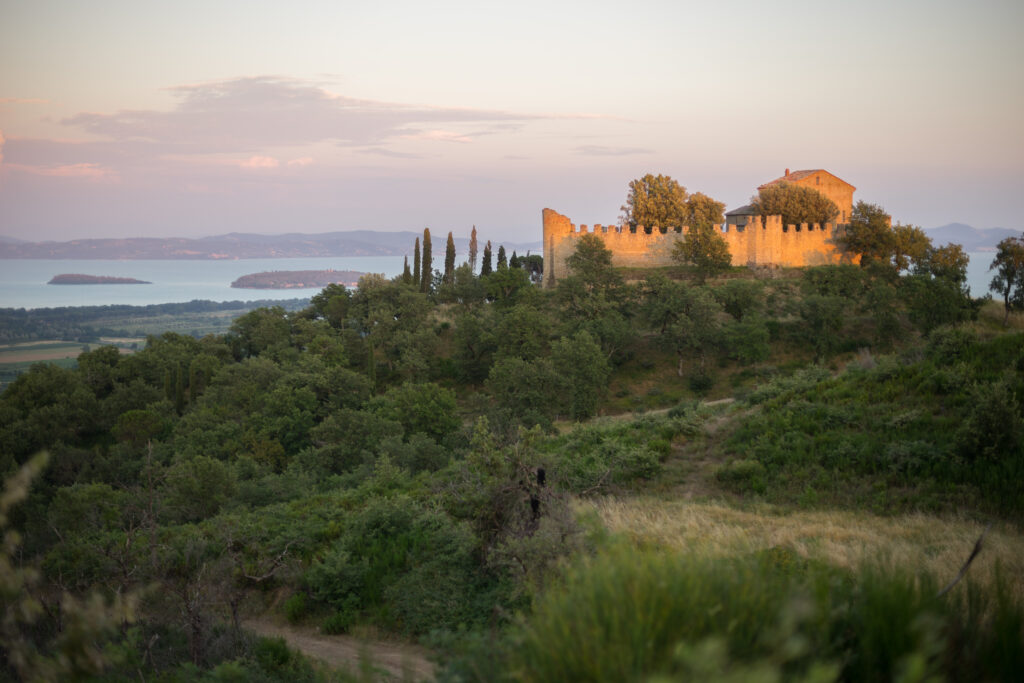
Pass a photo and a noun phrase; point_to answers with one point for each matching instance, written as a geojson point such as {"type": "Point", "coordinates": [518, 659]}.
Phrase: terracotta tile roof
{"type": "Point", "coordinates": [794, 176]}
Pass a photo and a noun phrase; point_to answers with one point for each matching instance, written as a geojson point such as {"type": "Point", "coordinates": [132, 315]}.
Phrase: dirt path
{"type": "Point", "coordinates": [389, 660]}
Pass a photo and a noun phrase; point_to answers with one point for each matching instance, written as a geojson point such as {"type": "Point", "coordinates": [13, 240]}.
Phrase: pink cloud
{"type": "Point", "coordinates": [85, 170]}
{"type": "Point", "coordinates": [260, 162]}
{"type": "Point", "coordinates": [304, 161]}
{"type": "Point", "coordinates": [439, 136]}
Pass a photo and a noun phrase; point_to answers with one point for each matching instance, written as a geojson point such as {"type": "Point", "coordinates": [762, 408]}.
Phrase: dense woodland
{"type": "Point", "coordinates": [409, 456]}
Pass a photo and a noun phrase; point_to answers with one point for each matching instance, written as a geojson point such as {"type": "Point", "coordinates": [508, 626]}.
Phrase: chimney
{"type": "Point", "coordinates": [787, 172]}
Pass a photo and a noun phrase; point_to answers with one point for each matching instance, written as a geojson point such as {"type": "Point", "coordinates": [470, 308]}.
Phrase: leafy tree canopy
{"type": "Point", "coordinates": [659, 202]}
{"type": "Point", "coordinates": [795, 203]}
{"type": "Point", "coordinates": [704, 248]}
{"type": "Point", "coordinates": [1008, 281]}
{"type": "Point", "coordinates": [869, 233]}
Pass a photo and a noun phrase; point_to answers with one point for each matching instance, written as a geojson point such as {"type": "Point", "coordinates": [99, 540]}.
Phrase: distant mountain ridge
{"type": "Point", "coordinates": [238, 245]}
{"type": "Point", "coordinates": [969, 237]}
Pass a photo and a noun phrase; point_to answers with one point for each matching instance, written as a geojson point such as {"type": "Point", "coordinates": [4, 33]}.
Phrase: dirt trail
{"type": "Point", "coordinates": [390, 660]}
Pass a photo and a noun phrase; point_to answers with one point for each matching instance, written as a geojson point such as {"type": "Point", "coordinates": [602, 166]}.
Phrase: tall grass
{"type": "Point", "coordinates": [633, 615]}
{"type": "Point", "coordinates": [844, 538]}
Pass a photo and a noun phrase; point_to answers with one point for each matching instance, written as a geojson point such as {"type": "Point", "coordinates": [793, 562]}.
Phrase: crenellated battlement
{"type": "Point", "coordinates": [760, 241]}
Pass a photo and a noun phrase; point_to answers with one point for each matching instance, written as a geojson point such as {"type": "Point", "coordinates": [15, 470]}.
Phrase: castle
{"type": "Point", "coordinates": [752, 239]}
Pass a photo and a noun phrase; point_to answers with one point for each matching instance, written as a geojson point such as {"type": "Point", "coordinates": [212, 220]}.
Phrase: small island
{"type": "Point", "coordinates": [298, 279]}
{"type": "Point", "coordinates": [79, 279]}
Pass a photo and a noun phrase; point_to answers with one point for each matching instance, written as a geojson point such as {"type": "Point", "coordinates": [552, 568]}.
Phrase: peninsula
{"type": "Point", "coordinates": [79, 279]}
{"type": "Point", "coordinates": [297, 279]}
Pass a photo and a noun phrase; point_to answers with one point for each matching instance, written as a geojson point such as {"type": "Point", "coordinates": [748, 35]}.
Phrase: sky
{"type": "Point", "coordinates": [121, 118]}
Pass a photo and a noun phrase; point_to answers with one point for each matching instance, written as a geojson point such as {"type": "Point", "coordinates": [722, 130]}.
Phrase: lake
{"type": "Point", "coordinates": [23, 281]}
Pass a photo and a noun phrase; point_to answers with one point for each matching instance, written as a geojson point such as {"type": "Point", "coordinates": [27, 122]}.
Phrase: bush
{"type": "Point", "coordinates": [405, 567]}
{"type": "Point", "coordinates": [701, 383]}
{"type": "Point", "coordinates": [743, 476]}
{"type": "Point", "coordinates": [295, 607]}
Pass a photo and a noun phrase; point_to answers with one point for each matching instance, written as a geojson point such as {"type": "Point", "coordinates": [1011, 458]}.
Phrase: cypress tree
{"type": "Point", "coordinates": [472, 250]}
{"type": "Point", "coordinates": [406, 275]}
{"type": "Point", "coordinates": [416, 263]}
{"type": "Point", "coordinates": [449, 260]}
{"type": "Point", "coordinates": [428, 263]}
{"type": "Point", "coordinates": [485, 266]}
{"type": "Point", "coordinates": [514, 262]}
{"type": "Point", "coordinates": [502, 261]}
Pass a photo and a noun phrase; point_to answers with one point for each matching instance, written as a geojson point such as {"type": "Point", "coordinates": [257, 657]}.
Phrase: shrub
{"type": "Point", "coordinates": [295, 607]}
{"type": "Point", "coordinates": [743, 476]}
{"type": "Point", "coordinates": [701, 383]}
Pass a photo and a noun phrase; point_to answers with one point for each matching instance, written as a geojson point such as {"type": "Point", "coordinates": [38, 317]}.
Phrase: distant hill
{"type": "Point", "coordinates": [970, 238]}
{"type": "Point", "coordinates": [243, 246]}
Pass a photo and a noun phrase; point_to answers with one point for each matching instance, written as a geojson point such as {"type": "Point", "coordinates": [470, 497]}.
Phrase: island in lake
{"type": "Point", "coordinates": [79, 279]}
{"type": "Point", "coordinates": [297, 279]}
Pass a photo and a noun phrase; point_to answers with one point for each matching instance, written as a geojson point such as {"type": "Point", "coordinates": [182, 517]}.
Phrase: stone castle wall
{"type": "Point", "coordinates": [760, 242]}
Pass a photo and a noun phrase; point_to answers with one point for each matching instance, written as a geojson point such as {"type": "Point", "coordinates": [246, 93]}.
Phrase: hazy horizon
{"type": "Point", "coordinates": [124, 119]}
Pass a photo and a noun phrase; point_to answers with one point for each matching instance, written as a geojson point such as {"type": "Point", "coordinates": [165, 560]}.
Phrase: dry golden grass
{"type": "Point", "coordinates": [991, 318]}
{"type": "Point", "coordinates": [843, 538]}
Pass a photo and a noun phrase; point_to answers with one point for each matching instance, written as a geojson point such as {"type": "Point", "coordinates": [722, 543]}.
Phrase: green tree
{"type": "Point", "coordinates": [795, 203]}
{"type": "Point", "coordinates": [416, 276]}
{"type": "Point", "coordinates": [449, 260]}
{"type": "Point", "coordinates": [485, 266]}
{"type": "Point", "coordinates": [823, 320]}
{"type": "Point", "coordinates": [472, 250]}
{"type": "Point", "coordinates": [910, 246]}
{"type": "Point", "coordinates": [406, 273]}
{"type": "Point", "coordinates": [869, 233]}
{"type": "Point", "coordinates": [502, 258]}
{"type": "Point", "coordinates": [426, 408]}
{"type": "Point", "coordinates": [263, 330]}
{"type": "Point", "coordinates": [1008, 281]}
{"type": "Point", "coordinates": [948, 262]}
{"type": "Point", "coordinates": [331, 303]}
{"type": "Point", "coordinates": [702, 210]}
{"type": "Point", "coordinates": [655, 202]}
{"type": "Point", "coordinates": [704, 248]}
{"type": "Point", "coordinates": [428, 263]}
{"type": "Point", "coordinates": [591, 262]}
{"type": "Point", "coordinates": [504, 285]}
{"type": "Point", "coordinates": [585, 370]}
{"type": "Point", "coordinates": [740, 298]}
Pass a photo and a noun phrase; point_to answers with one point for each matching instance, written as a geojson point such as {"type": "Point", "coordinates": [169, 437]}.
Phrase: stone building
{"type": "Point", "coordinates": [752, 239]}
{"type": "Point", "coordinates": [833, 187]}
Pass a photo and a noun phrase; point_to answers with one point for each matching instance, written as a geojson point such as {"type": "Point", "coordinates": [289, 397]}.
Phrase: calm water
{"type": "Point", "coordinates": [23, 282]}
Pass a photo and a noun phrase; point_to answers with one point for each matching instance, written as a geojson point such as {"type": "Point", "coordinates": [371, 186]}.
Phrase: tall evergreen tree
{"type": "Point", "coordinates": [472, 250]}
{"type": "Point", "coordinates": [406, 275]}
{"type": "Point", "coordinates": [513, 261]}
{"type": "Point", "coordinates": [449, 260]}
{"type": "Point", "coordinates": [502, 260]}
{"type": "Point", "coordinates": [416, 263]}
{"type": "Point", "coordinates": [427, 272]}
{"type": "Point", "coordinates": [485, 267]}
